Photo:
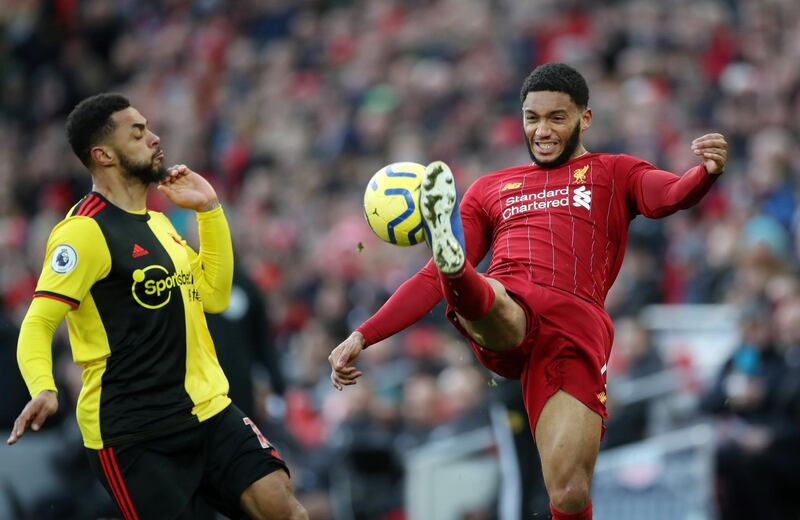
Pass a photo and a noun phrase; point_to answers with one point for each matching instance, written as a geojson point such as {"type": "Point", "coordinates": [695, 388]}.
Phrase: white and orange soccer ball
{"type": "Point", "coordinates": [391, 203]}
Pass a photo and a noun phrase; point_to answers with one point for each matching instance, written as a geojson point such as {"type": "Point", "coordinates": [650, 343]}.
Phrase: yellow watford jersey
{"type": "Point", "coordinates": [137, 326]}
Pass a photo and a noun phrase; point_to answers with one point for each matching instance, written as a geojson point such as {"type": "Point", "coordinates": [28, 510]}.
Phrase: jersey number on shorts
{"type": "Point", "coordinates": [263, 440]}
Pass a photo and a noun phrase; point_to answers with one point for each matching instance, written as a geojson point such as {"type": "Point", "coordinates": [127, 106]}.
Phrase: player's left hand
{"type": "Point", "coordinates": [343, 373]}
{"type": "Point", "coordinates": [714, 150]}
{"type": "Point", "coordinates": [188, 189]}
{"type": "Point", "coordinates": [34, 414]}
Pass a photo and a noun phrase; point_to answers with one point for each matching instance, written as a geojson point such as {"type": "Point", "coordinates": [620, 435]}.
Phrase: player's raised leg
{"type": "Point", "coordinates": [568, 438]}
{"type": "Point", "coordinates": [483, 306]}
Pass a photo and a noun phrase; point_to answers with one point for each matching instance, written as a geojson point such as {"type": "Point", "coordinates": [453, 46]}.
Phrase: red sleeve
{"type": "Point", "coordinates": [410, 302]}
{"type": "Point", "coordinates": [418, 295]}
{"type": "Point", "coordinates": [657, 193]}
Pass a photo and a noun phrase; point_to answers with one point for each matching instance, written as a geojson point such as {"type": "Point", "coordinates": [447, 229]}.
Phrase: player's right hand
{"type": "Point", "coordinates": [714, 150]}
{"type": "Point", "coordinates": [34, 414]}
{"type": "Point", "coordinates": [342, 373]}
{"type": "Point", "coordinates": [188, 189]}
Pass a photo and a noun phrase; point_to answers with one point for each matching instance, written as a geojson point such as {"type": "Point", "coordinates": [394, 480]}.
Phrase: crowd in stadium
{"type": "Point", "coordinates": [289, 107]}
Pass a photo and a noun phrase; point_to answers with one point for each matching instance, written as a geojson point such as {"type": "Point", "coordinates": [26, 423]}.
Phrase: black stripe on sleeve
{"type": "Point", "coordinates": [60, 297]}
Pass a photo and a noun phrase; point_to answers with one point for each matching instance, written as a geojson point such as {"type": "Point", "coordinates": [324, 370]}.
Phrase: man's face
{"type": "Point", "coordinates": [554, 127]}
{"type": "Point", "coordinates": [138, 150]}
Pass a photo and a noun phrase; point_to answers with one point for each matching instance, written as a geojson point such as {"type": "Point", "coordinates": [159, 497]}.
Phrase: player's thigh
{"type": "Point", "coordinates": [272, 497]}
{"type": "Point", "coordinates": [504, 327]}
{"type": "Point", "coordinates": [568, 438]}
{"type": "Point", "coordinates": [240, 456]}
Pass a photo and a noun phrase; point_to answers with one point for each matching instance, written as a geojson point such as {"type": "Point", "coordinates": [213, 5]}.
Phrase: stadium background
{"type": "Point", "coordinates": [290, 106]}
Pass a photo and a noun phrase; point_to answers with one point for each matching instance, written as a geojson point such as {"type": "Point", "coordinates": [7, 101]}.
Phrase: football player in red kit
{"type": "Point", "coordinates": [557, 229]}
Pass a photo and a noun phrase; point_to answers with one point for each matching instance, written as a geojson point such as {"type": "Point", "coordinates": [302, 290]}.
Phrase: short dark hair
{"type": "Point", "coordinates": [90, 122]}
{"type": "Point", "coordinates": [557, 77]}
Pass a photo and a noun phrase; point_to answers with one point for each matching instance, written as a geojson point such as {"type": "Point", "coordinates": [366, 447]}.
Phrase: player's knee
{"type": "Point", "coordinates": [298, 512]}
{"type": "Point", "coordinates": [571, 497]}
{"type": "Point", "coordinates": [289, 509]}
{"type": "Point", "coordinates": [505, 325]}
{"type": "Point", "coordinates": [272, 498]}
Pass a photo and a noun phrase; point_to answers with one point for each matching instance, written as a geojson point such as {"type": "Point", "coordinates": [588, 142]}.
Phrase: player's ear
{"type": "Point", "coordinates": [102, 155]}
{"type": "Point", "coordinates": [586, 118]}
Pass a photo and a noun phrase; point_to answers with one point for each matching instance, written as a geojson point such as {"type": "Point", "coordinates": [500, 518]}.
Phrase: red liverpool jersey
{"type": "Point", "coordinates": [563, 227]}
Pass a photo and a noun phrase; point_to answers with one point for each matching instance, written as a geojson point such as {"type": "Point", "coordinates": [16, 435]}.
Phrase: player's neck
{"type": "Point", "coordinates": [579, 152]}
{"type": "Point", "coordinates": [127, 194]}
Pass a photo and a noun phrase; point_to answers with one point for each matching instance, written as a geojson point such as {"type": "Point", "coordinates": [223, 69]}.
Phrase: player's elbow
{"type": "Point", "coordinates": [661, 211]}
{"type": "Point", "coordinates": [217, 304]}
{"type": "Point", "coordinates": [213, 309]}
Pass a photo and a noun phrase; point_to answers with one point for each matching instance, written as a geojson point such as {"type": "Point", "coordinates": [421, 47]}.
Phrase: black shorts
{"type": "Point", "coordinates": [181, 474]}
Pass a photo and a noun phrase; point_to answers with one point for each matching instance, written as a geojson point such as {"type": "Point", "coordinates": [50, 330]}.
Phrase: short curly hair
{"type": "Point", "coordinates": [557, 77]}
{"type": "Point", "coordinates": [90, 122]}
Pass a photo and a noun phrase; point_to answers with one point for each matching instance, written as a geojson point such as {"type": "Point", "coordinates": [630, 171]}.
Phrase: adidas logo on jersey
{"type": "Point", "coordinates": [139, 251]}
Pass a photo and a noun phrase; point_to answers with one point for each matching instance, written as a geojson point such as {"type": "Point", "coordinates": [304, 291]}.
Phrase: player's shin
{"type": "Point", "coordinates": [468, 293]}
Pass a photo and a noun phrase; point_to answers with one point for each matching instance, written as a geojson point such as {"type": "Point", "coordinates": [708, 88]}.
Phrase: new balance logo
{"type": "Point", "coordinates": [512, 186]}
{"type": "Point", "coordinates": [582, 197]}
{"type": "Point", "coordinates": [139, 251]}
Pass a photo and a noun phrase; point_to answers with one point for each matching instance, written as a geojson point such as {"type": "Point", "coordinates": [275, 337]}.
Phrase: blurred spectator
{"type": "Point", "coordinates": [522, 493]}
{"type": "Point", "coordinates": [366, 472]}
{"type": "Point", "coordinates": [639, 272]}
{"type": "Point", "coordinates": [633, 357]}
{"type": "Point", "coordinates": [776, 468]}
{"type": "Point", "coordinates": [463, 401]}
{"type": "Point", "coordinates": [745, 398]}
{"type": "Point", "coordinates": [419, 411]}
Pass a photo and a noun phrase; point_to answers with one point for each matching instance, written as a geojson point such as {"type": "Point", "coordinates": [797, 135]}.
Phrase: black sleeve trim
{"type": "Point", "coordinates": [72, 302]}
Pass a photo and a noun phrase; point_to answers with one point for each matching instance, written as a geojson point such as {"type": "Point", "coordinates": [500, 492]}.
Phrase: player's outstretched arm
{"type": "Point", "coordinates": [343, 373]}
{"type": "Point", "coordinates": [660, 193]}
{"type": "Point", "coordinates": [34, 414]}
{"type": "Point", "coordinates": [410, 302]}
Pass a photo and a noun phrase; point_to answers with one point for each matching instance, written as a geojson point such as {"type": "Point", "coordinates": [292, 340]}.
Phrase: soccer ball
{"type": "Point", "coordinates": [391, 203]}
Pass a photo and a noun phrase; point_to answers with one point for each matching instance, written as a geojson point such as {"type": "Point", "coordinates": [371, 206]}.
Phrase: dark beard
{"type": "Point", "coordinates": [146, 173]}
{"type": "Point", "coordinates": [565, 155]}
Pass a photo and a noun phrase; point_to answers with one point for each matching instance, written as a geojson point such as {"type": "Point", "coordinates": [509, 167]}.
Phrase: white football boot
{"type": "Point", "coordinates": [441, 219]}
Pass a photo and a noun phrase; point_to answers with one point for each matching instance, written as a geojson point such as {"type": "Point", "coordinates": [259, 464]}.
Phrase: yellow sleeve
{"type": "Point", "coordinates": [34, 352]}
{"type": "Point", "coordinates": [213, 267]}
{"type": "Point", "coordinates": [77, 257]}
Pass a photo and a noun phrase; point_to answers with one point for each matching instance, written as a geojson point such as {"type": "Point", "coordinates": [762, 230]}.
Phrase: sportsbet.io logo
{"type": "Point", "coordinates": [152, 286]}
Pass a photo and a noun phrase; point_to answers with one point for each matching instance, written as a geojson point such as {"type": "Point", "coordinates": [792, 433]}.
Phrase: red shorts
{"type": "Point", "coordinates": [567, 345]}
